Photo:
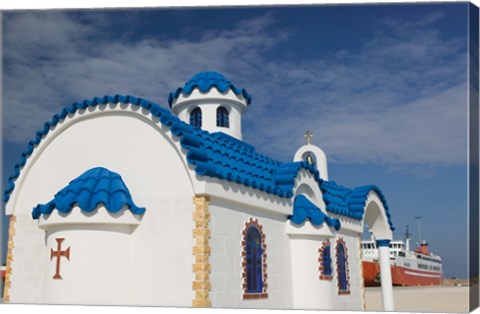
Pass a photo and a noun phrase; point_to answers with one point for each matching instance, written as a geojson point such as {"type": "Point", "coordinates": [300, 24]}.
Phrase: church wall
{"type": "Point", "coordinates": [228, 221]}
{"type": "Point", "coordinates": [160, 247]}
{"type": "Point", "coordinates": [307, 283]}
{"type": "Point", "coordinates": [161, 254]}
{"type": "Point", "coordinates": [90, 275]}
{"type": "Point", "coordinates": [309, 291]}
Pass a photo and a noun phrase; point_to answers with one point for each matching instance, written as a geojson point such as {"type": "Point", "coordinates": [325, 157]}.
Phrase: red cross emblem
{"type": "Point", "coordinates": [58, 254]}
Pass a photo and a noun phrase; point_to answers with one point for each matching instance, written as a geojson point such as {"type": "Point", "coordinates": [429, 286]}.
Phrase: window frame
{"type": "Point", "coordinates": [196, 117]}
{"type": "Point", "coordinates": [262, 293]}
{"type": "Point", "coordinates": [223, 117]}
{"type": "Point", "coordinates": [321, 260]}
{"type": "Point", "coordinates": [342, 289]}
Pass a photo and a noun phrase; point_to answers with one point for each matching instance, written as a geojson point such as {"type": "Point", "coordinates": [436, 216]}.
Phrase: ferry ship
{"type": "Point", "coordinates": [409, 268]}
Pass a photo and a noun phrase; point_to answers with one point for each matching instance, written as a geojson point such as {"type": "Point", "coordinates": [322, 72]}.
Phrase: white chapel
{"type": "Point", "coordinates": [119, 201]}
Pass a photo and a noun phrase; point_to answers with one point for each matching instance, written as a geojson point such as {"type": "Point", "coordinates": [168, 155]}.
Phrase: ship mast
{"type": "Point", "coordinates": [407, 239]}
{"type": "Point", "coordinates": [419, 230]}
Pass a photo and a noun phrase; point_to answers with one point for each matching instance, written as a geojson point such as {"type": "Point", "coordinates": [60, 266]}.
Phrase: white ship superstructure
{"type": "Point", "coordinates": [409, 268]}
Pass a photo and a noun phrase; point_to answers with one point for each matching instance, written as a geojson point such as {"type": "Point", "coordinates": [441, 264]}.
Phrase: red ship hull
{"type": "Point", "coordinates": [371, 271]}
{"type": "Point", "coordinates": [401, 276]}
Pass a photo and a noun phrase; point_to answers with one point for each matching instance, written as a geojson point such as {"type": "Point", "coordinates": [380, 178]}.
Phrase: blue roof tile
{"type": "Point", "coordinates": [304, 209]}
{"type": "Point", "coordinates": [204, 81]}
{"type": "Point", "coordinates": [224, 157]}
{"type": "Point", "coordinates": [351, 202]}
{"type": "Point", "coordinates": [94, 187]}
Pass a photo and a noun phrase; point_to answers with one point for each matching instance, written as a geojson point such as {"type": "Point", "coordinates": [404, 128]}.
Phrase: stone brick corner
{"type": "Point", "coordinates": [8, 271]}
{"type": "Point", "coordinates": [201, 252]}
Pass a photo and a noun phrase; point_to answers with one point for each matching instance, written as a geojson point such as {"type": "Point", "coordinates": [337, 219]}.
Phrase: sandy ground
{"type": "Point", "coordinates": [421, 299]}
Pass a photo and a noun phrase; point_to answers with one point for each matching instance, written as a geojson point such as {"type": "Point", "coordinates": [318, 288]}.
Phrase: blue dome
{"type": "Point", "coordinates": [204, 81]}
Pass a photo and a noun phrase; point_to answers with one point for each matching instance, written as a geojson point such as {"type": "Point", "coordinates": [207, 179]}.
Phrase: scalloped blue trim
{"type": "Point", "coordinates": [92, 188]}
{"type": "Point", "coordinates": [303, 209]}
{"type": "Point", "coordinates": [204, 81]}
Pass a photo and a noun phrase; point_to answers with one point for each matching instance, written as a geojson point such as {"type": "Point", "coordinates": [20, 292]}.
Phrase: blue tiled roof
{"type": "Point", "coordinates": [358, 198]}
{"type": "Point", "coordinates": [204, 81]}
{"type": "Point", "coordinates": [335, 198]}
{"type": "Point", "coordinates": [221, 156]}
{"type": "Point", "coordinates": [303, 209]}
{"type": "Point", "coordinates": [212, 154]}
{"type": "Point", "coordinates": [351, 202]}
{"type": "Point", "coordinates": [94, 187]}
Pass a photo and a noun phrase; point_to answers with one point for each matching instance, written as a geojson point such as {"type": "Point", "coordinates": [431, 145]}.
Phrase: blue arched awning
{"type": "Point", "coordinates": [304, 209]}
{"type": "Point", "coordinates": [94, 187]}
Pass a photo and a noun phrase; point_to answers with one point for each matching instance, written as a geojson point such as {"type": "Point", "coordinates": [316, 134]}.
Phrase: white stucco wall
{"type": "Point", "coordinates": [158, 266]}
{"type": "Point", "coordinates": [227, 224]}
{"type": "Point", "coordinates": [92, 280]}
{"type": "Point", "coordinates": [309, 291]}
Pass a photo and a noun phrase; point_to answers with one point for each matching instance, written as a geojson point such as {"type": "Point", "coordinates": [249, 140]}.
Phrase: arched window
{"type": "Point", "coordinates": [222, 117]}
{"type": "Point", "coordinates": [196, 117]}
{"type": "Point", "coordinates": [254, 261]}
{"type": "Point", "coordinates": [342, 267]}
{"type": "Point", "coordinates": [325, 260]}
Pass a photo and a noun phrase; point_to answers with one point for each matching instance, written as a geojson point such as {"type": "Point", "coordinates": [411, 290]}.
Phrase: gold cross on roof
{"type": "Point", "coordinates": [308, 136]}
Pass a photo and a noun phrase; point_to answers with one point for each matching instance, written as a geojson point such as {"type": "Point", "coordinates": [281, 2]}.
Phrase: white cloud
{"type": "Point", "coordinates": [399, 100]}
{"type": "Point", "coordinates": [427, 131]}
{"type": "Point", "coordinates": [54, 59]}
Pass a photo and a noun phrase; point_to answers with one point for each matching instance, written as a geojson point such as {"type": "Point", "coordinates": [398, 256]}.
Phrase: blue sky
{"type": "Point", "coordinates": [383, 88]}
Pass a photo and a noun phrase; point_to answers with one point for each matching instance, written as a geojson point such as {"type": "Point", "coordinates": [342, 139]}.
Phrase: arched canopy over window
{"type": "Point", "coordinates": [196, 117]}
{"type": "Point", "coordinates": [342, 268]}
{"type": "Point", "coordinates": [222, 117]}
{"type": "Point", "coordinates": [254, 261]}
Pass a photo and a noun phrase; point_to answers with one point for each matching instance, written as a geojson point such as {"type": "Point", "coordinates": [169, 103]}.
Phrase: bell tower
{"type": "Point", "coordinates": [313, 155]}
{"type": "Point", "coordinates": [211, 102]}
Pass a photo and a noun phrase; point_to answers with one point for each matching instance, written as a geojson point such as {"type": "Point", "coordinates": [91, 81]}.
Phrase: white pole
{"type": "Point", "coordinates": [385, 274]}
{"type": "Point", "coordinates": [407, 240]}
